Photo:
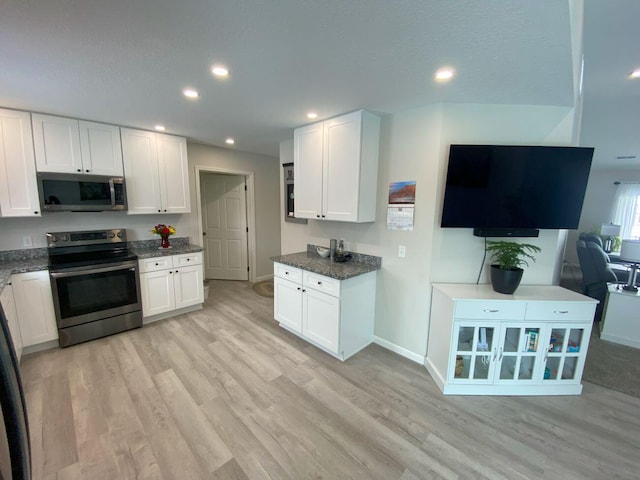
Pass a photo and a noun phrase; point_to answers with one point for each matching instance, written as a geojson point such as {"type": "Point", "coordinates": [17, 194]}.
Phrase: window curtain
{"type": "Point", "coordinates": [625, 207]}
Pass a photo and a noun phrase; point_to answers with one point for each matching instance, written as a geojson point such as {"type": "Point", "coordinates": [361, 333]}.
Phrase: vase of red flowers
{"type": "Point", "coordinates": [164, 231]}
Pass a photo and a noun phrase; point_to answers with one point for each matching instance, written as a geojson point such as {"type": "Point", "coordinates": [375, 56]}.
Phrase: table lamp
{"type": "Point", "coordinates": [630, 252]}
{"type": "Point", "coordinates": [607, 232]}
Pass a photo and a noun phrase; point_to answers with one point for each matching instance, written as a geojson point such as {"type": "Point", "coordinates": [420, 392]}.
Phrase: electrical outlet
{"type": "Point", "coordinates": [402, 251]}
{"type": "Point", "coordinates": [27, 241]}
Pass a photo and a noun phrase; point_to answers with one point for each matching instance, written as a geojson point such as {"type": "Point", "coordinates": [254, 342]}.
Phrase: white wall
{"type": "Point", "coordinates": [598, 204]}
{"type": "Point", "coordinates": [414, 146]}
{"type": "Point", "coordinates": [265, 168]}
{"type": "Point", "coordinates": [267, 172]}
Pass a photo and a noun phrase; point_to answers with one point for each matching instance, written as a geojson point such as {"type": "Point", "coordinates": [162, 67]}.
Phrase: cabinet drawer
{"type": "Point", "coordinates": [187, 259]}
{"type": "Point", "coordinates": [154, 264]}
{"type": "Point", "coordinates": [285, 271]}
{"type": "Point", "coordinates": [487, 309]}
{"type": "Point", "coordinates": [321, 283]}
{"type": "Point", "coordinates": [562, 311]}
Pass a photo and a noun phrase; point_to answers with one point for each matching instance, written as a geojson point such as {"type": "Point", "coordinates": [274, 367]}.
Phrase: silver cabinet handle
{"type": "Point", "coordinates": [487, 310]}
{"type": "Point", "coordinates": [495, 352]}
{"type": "Point", "coordinates": [561, 311]}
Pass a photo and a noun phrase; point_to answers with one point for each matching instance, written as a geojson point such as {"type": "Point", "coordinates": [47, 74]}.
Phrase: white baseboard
{"type": "Point", "coordinates": [399, 350]}
{"type": "Point", "coordinates": [262, 278]}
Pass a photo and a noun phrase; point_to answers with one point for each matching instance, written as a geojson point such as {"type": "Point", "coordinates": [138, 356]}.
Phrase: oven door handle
{"type": "Point", "coordinates": [90, 269]}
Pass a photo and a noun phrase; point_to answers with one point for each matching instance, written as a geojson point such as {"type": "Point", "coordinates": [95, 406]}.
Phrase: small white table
{"type": "Point", "coordinates": [621, 317]}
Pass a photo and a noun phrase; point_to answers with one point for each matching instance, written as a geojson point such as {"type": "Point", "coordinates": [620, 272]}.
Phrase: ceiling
{"type": "Point", "coordinates": [127, 62]}
{"type": "Point", "coordinates": [611, 111]}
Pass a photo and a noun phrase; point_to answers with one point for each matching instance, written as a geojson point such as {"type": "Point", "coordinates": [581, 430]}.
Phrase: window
{"type": "Point", "coordinates": [626, 210]}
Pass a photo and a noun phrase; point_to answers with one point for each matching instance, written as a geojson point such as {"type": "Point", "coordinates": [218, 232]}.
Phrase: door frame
{"type": "Point", "coordinates": [251, 212]}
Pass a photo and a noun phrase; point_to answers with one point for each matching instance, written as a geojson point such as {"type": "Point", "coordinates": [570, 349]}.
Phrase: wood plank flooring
{"type": "Point", "coordinates": [224, 393]}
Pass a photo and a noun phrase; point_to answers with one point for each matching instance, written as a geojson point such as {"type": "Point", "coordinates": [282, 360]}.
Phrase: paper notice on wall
{"type": "Point", "coordinates": [400, 218]}
{"type": "Point", "coordinates": [402, 199]}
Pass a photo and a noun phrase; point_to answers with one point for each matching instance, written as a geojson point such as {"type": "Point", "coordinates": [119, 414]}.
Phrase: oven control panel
{"type": "Point", "coordinates": [89, 237]}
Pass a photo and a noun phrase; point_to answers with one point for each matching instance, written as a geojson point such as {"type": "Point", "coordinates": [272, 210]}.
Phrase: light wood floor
{"type": "Point", "coordinates": [224, 393]}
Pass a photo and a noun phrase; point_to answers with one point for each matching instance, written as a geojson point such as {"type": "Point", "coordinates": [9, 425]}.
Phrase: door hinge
{"type": "Point", "coordinates": [247, 229]}
{"type": "Point", "coordinates": [245, 188]}
{"type": "Point", "coordinates": [247, 269]}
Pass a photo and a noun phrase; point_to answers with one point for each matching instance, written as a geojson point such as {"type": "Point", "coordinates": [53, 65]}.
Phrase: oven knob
{"type": "Point", "coordinates": [64, 238]}
{"type": "Point", "coordinates": [53, 238]}
{"type": "Point", "coordinates": [111, 235]}
{"type": "Point", "coordinates": [119, 234]}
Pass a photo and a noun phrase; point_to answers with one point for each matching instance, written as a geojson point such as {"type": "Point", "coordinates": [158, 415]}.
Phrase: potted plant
{"type": "Point", "coordinates": [509, 258]}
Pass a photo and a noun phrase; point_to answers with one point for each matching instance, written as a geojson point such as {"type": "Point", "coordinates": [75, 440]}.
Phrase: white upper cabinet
{"type": "Point", "coordinates": [156, 172]}
{"type": "Point", "coordinates": [67, 145]}
{"type": "Point", "coordinates": [336, 168]}
{"type": "Point", "coordinates": [101, 149]}
{"type": "Point", "coordinates": [18, 186]}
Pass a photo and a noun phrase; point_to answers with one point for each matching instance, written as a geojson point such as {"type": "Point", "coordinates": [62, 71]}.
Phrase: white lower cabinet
{"type": "Point", "coordinates": [335, 315]}
{"type": "Point", "coordinates": [170, 283]}
{"type": "Point", "coordinates": [532, 343]}
{"type": "Point", "coordinates": [34, 307]}
{"type": "Point", "coordinates": [9, 307]}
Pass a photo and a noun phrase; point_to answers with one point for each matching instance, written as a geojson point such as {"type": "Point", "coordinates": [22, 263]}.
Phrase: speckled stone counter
{"type": "Point", "coordinates": [312, 262]}
{"type": "Point", "coordinates": [21, 261]}
{"type": "Point", "coordinates": [36, 259]}
{"type": "Point", "coordinates": [151, 248]}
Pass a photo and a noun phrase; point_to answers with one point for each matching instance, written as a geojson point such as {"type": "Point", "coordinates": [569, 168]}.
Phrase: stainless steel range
{"type": "Point", "coordinates": [95, 282]}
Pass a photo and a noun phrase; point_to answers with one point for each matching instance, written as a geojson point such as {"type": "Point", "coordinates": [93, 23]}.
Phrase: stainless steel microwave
{"type": "Point", "coordinates": [64, 192]}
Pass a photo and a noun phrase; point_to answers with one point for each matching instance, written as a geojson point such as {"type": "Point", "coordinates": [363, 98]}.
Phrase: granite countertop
{"type": "Point", "coordinates": [33, 260]}
{"type": "Point", "coordinates": [312, 262]}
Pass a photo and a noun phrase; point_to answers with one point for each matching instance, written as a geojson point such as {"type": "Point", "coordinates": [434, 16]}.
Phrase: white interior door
{"type": "Point", "coordinates": [224, 225]}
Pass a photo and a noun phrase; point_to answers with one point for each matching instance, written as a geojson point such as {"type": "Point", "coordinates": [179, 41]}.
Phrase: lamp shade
{"type": "Point", "coordinates": [609, 230]}
{"type": "Point", "coordinates": [630, 250]}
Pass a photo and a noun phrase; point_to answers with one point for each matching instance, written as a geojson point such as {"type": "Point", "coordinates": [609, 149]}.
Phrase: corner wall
{"type": "Point", "coordinates": [414, 146]}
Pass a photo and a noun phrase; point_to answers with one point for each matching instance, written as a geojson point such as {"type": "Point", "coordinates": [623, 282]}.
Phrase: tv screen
{"type": "Point", "coordinates": [502, 186]}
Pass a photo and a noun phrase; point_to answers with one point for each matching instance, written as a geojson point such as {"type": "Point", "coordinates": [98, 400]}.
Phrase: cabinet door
{"type": "Point", "coordinates": [341, 169]}
{"type": "Point", "coordinates": [321, 319]}
{"type": "Point", "coordinates": [475, 347]}
{"type": "Point", "coordinates": [101, 149]}
{"type": "Point", "coordinates": [18, 187]}
{"type": "Point", "coordinates": [519, 350]}
{"type": "Point", "coordinates": [566, 347]}
{"type": "Point", "coordinates": [287, 303]}
{"type": "Point", "coordinates": [9, 307]}
{"type": "Point", "coordinates": [174, 176]}
{"type": "Point", "coordinates": [158, 292]}
{"type": "Point", "coordinates": [34, 306]}
{"type": "Point", "coordinates": [140, 159]}
{"type": "Point", "coordinates": [307, 165]}
{"type": "Point", "coordinates": [57, 144]}
{"type": "Point", "coordinates": [188, 286]}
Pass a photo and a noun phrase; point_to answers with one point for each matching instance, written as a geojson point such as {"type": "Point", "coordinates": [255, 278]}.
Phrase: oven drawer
{"type": "Point", "coordinates": [154, 264]}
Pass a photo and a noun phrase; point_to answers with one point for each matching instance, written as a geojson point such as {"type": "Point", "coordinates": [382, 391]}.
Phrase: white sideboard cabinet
{"type": "Point", "coordinates": [67, 145]}
{"type": "Point", "coordinates": [533, 342]}
{"type": "Point", "coordinates": [336, 168]}
{"type": "Point", "coordinates": [18, 185]}
{"type": "Point", "coordinates": [335, 315]}
{"type": "Point", "coordinates": [156, 172]}
{"type": "Point", "coordinates": [170, 283]}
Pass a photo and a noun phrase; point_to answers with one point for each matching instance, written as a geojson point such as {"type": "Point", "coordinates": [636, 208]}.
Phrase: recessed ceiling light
{"type": "Point", "coordinates": [312, 115]}
{"type": "Point", "coordinates": [445, 74]}
{"type": "Point", "coordinates": [220, 70]}
{"type": "Point", "coordinates": [230, 141]}
{"type": "Point", "coordinates": [160, 128]}
{"type": "Point", "coordinates": [635, 73]}
{"type": "Point", "coordinates": [190, 93]}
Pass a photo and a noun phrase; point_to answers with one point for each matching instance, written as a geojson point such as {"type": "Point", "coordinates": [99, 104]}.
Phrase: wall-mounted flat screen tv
{"type": "Point", "coordinates": [508, 187]}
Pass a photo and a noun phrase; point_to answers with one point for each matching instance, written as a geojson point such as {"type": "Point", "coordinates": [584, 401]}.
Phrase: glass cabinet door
{"type": "Point", "coordinates": [475, 352]}
{"type": "Point", "coordinates": [564, 357]}
{"type": "Point", "coordinates": [519, 348]}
